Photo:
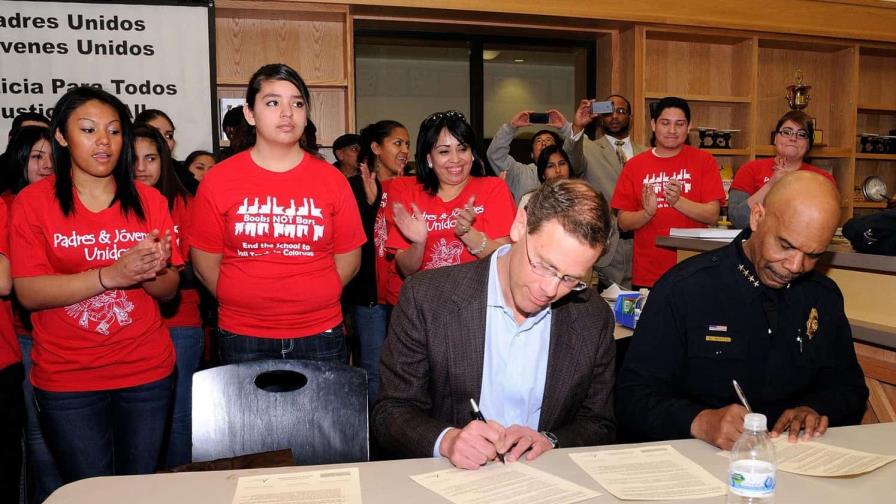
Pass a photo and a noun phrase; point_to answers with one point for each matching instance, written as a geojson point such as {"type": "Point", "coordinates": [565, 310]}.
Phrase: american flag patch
{"type": "Point", "coordinates": [718, 328]}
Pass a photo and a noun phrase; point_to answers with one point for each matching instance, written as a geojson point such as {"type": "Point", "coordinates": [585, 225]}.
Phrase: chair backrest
{"type": "Point", "coordinates": [317, 409]}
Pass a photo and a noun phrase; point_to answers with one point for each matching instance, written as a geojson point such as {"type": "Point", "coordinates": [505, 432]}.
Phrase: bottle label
{"type": "Point", "coordinates": [751, 478]}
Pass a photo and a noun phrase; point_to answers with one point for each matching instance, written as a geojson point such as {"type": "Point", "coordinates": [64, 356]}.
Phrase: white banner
{"type": "Point", "coordinates": [150, 56]}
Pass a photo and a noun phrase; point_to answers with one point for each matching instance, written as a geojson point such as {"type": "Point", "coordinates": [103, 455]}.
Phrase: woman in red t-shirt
{"type": "Point", "coordinates": [30, 160]}
{"type": "Point", "coordinates": [449, 216]}
{"type": "Point", "coordinates": [794, 136]}
{"type": "Point", "coordinates": [277, 234]}
{"type": "Point", "coordinates": [90, 252]}
{"type": "Point", "coordinates": [155, 168]}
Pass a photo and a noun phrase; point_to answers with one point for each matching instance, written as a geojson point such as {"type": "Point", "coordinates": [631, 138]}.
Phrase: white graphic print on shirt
{"type": "Point", "coordinates": [658, 182]}
{"type": "Point", "coordinates": [267, 217]}
{"type": "Point", "coordinates": [103, 310]}
{"type": "Point", "coordinates": [445, 253]}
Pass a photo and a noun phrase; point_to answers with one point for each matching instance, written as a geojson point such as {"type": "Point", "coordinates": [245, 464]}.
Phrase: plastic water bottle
{"type": "Point", "coordinates": [639, 303]}
{"type": "Point", "coordinates": [751, 473]}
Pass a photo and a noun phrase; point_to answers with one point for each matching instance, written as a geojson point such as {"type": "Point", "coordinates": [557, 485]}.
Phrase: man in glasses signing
{"type": "Point", "coordinates": [518, 331]}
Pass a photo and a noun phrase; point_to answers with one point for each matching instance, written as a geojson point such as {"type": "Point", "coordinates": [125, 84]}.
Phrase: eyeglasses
{"type": "Point", "coordinates": [621, 111]}
{"type": "Point", "coordinates": [545, 271]}
{"type": "Point", "coordinates": [791, 133]}
{"type": "Point", "coordinates": [449, 114]}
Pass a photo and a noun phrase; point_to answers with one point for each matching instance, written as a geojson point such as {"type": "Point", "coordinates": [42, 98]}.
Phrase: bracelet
{"type": "Point", "coordinates": [481, 247]}
{"type": "Point", "coordinates": [99, 275]}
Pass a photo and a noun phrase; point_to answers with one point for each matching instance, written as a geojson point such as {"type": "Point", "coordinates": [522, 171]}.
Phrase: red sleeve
{"type": "Point", "coordinates": [398, 193]}
{"type": "Point", "coordinates": [745, 178]}
{"type": "Point", "coordinates": [4, 229]}
{"type": "Point", "coordinates": [207, 220]}
{"type": "Point", "coordinates": [711, 188]}
{"type": "Point", "coordinates": [626, 196]}
{"type": "Point", "coordinates": [182, 215]}
{"type": "Point", "coordinates": [348, 233]}
{"type": "Point", "coordinates": [501, 211]}
{"type": "Point", "coordinates": [28, 241]}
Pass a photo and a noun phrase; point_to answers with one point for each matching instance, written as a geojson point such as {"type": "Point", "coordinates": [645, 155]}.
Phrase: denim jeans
{"type": "Point", "coordinates": [188, 347]}
{"type": "Point", "coordinates": [326, 346]}
{"type": "Point", "coordinates": [106, 432]}
{"type": "Point", "coordinates": [370, 323]}
{"type": "Point", "coordinates": [41, 472]}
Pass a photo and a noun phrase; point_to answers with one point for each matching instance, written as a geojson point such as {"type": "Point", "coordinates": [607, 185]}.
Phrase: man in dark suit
{"type": "Point", "coordinates": [518, 331]}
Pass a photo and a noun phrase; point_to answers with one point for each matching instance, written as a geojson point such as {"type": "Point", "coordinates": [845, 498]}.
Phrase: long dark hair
{"type": "Point", "coordinates": [376, 132]}
{"type": "Point", "coordinates": [269, 72]}
{"type": "Point", "coordinates": [541, 165]}
{"type": "Point", "coordinates": [430, 129]}
{"type": "Point", "coordinates": [168, 184]}
{"type": "Point", "coordinates": [18, 153]}
{"type": "Point", "coordinates": [125, 191]}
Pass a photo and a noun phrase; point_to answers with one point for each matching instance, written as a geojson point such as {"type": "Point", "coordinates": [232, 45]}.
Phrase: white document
{"type": "Point", "coordinates": [515, 483]}
{"type": "Point", "coordinates": [649, 473]}
{"type": "Point", "coordinates": [333, 486]}
{"type": "Point", "coordinates": [818, 459]}
{"type": "Point", "coordinates": [705, 233]}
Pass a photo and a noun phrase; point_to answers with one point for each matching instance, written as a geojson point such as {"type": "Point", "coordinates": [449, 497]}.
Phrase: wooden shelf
{"type": "Point", "coordinates": [821, 152]}
{"type": "Point", "coordinates": [875, 157]}
{"type": "Point", "coordinates": [869, 204]}
{"type": "Point", "coordinates": [877, 108]}
{"type": "Point", "coordinates": [652, 95]}
{"type": "Point", "coordinates": [310, 84]}
{"type": "Point", "coordinates": [728, 152]}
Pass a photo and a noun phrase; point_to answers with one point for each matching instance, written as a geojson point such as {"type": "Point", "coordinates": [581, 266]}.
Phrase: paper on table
{"type": "Point", "coordinates": [515, 483]}
{"type": "Point", "coordinates": [333, 486]}
{"type": "Point", "coordinates": [649, 473]}
{"type": "Point", "coordinates": [819, 459]}
{"type": "Point", "coordinates": [705, 233]}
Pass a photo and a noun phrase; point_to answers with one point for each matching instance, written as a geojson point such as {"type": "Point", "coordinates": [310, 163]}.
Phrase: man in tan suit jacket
{"type": "Point", "coordinates": [599, 162]}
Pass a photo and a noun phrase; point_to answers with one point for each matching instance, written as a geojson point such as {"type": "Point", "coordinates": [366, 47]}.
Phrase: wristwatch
{"type": "Point", "coordinates": [552, 438]}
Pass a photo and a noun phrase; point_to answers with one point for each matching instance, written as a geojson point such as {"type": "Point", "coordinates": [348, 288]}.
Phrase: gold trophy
{"type": "Point", "coordinates": [798, 98]}
{"type": "Point", "coordinates": [798, 94]}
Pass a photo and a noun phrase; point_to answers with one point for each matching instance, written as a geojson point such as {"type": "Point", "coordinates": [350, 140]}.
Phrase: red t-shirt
{"type": "Point", "coordinates": [388, 280]}
{"type": "Point", "coordinates": [186, 313]}
{"type": "Point", "coordinates": [9, 345]}
{"type": "Point", "coordinates": [701, 183]}
{"type": "Point", "coordinates": [277, 234]}
{"type": "Point", "coordinates": [753, 175]}
{"type": "Point", "coordinates": [494, 209]}
{"type": "Point", "coordinates": [115, 339]}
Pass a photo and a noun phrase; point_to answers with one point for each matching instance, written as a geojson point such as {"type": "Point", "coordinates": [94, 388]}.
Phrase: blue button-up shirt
{"type": "Point", "coordinates": [516, 359]}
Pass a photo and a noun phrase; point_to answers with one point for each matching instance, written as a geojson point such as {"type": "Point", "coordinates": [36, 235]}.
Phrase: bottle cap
{"type": "Point", "coordinates": [755, 422]}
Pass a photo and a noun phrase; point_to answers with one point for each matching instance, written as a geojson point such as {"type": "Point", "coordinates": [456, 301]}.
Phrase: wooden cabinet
{"type": "Point", "coordinates": [737, 80]}
{"type": "Point", "coordinates": [315, 39]}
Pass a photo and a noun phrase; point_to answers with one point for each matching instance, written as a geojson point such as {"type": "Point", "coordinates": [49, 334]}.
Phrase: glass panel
{"type": "Point", "coordinates": [406, 80]}
{"type": "Point", "coordinates": [534, 78]}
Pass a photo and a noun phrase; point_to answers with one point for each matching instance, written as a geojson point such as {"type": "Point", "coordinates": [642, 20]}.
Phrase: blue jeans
{"type": "Point", "coordinates": [325, 346]}
{"type": "Point", "coordinates": [188, 346]}
{"type": "Point", "coordinates": [106, 432]}
{"type": "Point", "coordinates": [370, 323]}
{"type": "Point", "coordinates": [42, 475]}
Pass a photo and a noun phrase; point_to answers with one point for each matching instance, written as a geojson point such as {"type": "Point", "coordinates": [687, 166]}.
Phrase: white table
{"type": "Point", "coordinates": [388, 482]}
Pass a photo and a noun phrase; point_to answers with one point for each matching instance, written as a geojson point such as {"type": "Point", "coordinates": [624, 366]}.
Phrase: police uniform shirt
{"type": "Point", "coordinates": [710, 320]}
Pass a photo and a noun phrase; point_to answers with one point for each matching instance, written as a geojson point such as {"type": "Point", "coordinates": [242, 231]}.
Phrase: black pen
{"type": "Point", "coordinates": [478, 415]}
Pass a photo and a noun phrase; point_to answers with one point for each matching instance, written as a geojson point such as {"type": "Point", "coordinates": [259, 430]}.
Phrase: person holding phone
{"type": "Point", "coordinates": [523, 177]}
{"type": "Point", "coordinates": [671, 185]}
{"type": "Point", "coordinates": [599, 162]}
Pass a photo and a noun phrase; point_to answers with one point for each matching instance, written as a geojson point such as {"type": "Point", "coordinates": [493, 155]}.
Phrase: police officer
{"type": "Point", "coordinates": [754, 311]}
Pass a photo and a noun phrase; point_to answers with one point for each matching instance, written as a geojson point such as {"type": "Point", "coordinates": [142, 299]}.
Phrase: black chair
{"type": "Point", "coordinates": [319, 410]}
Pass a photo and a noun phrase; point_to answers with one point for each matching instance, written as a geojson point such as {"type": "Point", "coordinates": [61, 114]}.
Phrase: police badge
{"type": "Point", "coordinates": [812, 323]}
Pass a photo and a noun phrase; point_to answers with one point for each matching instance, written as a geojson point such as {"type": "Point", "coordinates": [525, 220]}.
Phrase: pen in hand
{"type": "Point", "coordinates": [740, 394]}
{"type": "Point", "coordinates": [478, 415]}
